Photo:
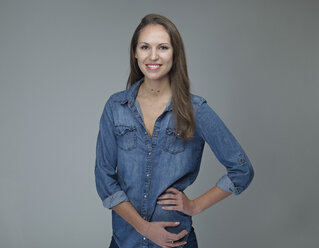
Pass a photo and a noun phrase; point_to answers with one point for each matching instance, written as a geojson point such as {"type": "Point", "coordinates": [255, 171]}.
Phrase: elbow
{"type": "Point", "coordinates": [251, 173]}
{"type": "Point", "coordinates": [248, 176]}
{"type": "Point", "coordinates": [244, 178]}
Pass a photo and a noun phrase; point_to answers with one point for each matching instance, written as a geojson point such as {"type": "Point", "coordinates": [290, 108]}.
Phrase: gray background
{"type": "Point", "coordinates": [256, 62]}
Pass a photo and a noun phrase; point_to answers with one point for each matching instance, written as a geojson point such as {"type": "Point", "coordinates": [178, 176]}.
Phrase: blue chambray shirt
{"type": "Point", "coordinates": [131, 166]}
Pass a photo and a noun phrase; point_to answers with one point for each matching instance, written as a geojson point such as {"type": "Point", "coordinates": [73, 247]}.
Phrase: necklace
{"type": "Point", "coordinates": [155, 90]}
{"type": "Point", "coordinates": [151, 89]}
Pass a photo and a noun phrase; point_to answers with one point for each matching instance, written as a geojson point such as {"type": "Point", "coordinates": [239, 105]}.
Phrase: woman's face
{"type": "Point", "coordinates": [154, 52]}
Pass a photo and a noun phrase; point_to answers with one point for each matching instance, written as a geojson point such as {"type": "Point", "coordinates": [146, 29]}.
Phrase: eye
{"type": "Point", "coordinates": [144, 47]}
{"type": "Point", "coordinates": [163, 47]}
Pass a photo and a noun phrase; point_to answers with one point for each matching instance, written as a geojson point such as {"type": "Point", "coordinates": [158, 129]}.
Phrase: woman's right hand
{"type": "Point", "coordinates": [157, 233]}
{"type": "Point", "coordinates": [154, 231]}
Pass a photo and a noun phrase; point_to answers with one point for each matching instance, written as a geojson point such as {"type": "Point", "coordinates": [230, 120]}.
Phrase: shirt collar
{"type": "Point", "coordinates": [131, 94]}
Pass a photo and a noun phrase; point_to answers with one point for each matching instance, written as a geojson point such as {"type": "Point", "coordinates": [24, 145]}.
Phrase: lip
{"type": "Point", "coordinates": [153, 67]}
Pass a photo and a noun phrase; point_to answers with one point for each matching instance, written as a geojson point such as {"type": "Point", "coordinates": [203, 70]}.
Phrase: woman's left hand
{"type": "Point", "coordinates": [180, 201]}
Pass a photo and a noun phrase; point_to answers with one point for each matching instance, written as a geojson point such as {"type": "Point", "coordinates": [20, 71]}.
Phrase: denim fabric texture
{"type": "Point", "coordinates": [191, 241]}
{"type": "Point", "coordinates": [131, 166]}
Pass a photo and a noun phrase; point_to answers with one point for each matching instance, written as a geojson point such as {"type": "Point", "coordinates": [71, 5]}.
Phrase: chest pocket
{"type": "Point", "coordinates": [126, 137]}
{"type": "Point", "coordinates": [173, 142]}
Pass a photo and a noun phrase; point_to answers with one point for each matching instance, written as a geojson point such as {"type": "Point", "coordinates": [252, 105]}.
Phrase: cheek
{"type": "Point", "coordinates": [168, 57]}
{"type": "Point", "coordinates": [141, 56]}
{"type": "Point", "coordinates": [140, 65]}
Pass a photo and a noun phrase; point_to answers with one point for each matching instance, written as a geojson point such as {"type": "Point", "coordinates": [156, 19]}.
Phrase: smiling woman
{"type": "Point", "coordinates": [154, 53]}
{"type": "Point", "coordinates": [150, 145]}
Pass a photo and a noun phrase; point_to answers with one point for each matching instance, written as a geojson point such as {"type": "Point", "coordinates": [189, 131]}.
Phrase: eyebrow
{"type": "Point", "coordinates": [164, 43]}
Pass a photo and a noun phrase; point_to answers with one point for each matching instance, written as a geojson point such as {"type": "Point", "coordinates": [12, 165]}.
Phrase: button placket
{"type": "Point", "coordinates": [150, 144]}
{"type": "Point", "coordinates": [146, 186]}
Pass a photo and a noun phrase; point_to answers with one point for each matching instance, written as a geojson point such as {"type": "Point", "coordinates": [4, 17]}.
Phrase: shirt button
{"type": "Point", "coordinates": [145, 195]}
{"type": "Point", "coordinates": [144, 238]}
{"type": "Point", "coordinates": [149, 153]}
{"type": "Point", "coordinates": [145, 132]}
{"type": "Point", "coordinates": [147, 175]}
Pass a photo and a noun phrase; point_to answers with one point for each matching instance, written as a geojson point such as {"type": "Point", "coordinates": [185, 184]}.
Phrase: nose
{"type": "Point", "coordinates": [154, 54]}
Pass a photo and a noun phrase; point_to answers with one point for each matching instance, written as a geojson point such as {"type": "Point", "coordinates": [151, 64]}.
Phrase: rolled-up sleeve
{"type": "Point", "coordinates": [226, 149]}
{"type": "Point", "coordinates": [107, 185]}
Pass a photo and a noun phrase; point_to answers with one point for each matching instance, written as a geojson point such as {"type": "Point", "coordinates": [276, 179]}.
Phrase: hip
{"type": "Point", "coordinates": [191, 241]}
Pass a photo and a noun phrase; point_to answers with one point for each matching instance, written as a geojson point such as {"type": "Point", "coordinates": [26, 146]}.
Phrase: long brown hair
{"type": "Point", "coordinates": [181, 98]}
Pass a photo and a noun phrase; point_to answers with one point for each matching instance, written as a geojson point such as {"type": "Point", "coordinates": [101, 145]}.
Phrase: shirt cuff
{"type": "Point", "coordinates": [115, 199]}
{"type": "Point", "coordinates": [227, 185]}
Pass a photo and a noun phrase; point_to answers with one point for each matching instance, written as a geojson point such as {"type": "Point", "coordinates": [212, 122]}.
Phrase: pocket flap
{"type": "Point", "coordinates": [172, 131]}
{"type": "Point", "coordinates": [121, 130]}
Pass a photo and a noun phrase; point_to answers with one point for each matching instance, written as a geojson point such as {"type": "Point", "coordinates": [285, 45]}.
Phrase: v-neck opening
{"type": "Point", "coordinates": [139, 110]}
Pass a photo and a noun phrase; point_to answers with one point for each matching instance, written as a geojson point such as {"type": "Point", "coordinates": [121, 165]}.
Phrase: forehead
{"type": "Point", "coordinates": [154, 33]}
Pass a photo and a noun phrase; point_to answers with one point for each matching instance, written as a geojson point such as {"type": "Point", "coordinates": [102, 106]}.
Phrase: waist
{"type": "Point", "coordinates": [172, 216]}
{"type": "Point", "coordinates": [126, 236]}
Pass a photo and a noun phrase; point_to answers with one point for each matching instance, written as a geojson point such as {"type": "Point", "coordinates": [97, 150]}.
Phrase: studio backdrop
{"type": "Point", "coordinates": [254, 61]}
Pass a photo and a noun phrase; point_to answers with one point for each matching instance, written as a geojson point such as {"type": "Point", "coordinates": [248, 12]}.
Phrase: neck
{"type": "Point", "coordinates": [156, 88]}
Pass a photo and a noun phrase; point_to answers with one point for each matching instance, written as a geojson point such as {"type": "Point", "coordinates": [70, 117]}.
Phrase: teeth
{"type": "Point", "coordinates": [153, 66]}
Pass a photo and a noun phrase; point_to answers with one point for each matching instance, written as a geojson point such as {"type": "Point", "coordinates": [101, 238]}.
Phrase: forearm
{"type": "Point", "coordinates": [208, 199]}
{"type": "Point", "coordinates": [154, 231]}
{"type": "Point", "coordinates": [129, 213]}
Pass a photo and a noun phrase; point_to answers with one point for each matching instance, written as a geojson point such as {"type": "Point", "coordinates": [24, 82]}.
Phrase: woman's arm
{"type": "Point", "coordinates": [229, 153]}
{"type": "Point", "coordinates": [209, 199]}
{"type": "Point", "coordinates": [226, 149]}
{"type": "Point", "coordinates": [191, 207]}
{"type": "Point", "coordinates": [107, 185]}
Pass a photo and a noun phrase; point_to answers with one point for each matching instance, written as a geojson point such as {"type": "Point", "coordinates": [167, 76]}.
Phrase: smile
{"type": "Point", "coordinates": [153, 67]}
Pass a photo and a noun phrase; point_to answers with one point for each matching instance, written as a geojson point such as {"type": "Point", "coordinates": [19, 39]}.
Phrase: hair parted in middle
{"type": "Point", "coordinates": [178, 76]}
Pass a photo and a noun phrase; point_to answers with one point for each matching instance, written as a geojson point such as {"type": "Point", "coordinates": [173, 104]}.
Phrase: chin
{"type": "Point", "coordinates": [151, 77]}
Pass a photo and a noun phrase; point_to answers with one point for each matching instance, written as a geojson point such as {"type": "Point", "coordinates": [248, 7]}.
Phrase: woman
{"type": "Point", "coordinates": [150, 145]}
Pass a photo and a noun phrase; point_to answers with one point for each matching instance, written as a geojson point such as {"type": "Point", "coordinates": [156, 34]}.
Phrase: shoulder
{"type": "Point", "coordinates": [203, 109]}
{"type": "Point", "coordinates": [197, 101]}
{"type": "Point", "coordinates": [118, 96]}
{"type": "Point", "coordinates": [113, 100]}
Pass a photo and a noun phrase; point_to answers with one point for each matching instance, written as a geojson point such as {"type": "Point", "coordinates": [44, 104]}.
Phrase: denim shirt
{"type": "Point", "coordinates": [131, 166]}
